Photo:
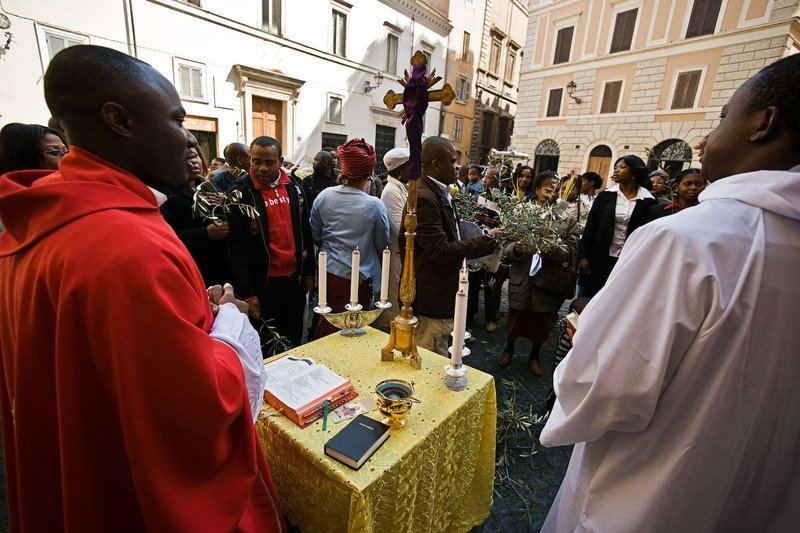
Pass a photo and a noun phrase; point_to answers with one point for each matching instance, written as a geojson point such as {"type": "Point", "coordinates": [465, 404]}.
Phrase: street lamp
{"type": "Point", "coordinates": [378, 80]}
{"type": "Point", "coordinates": [571, 86]}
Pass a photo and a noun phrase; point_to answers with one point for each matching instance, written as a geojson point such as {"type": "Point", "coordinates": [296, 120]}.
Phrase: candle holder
{"type": "Point", "coordinates": [353, 320]}
{"type": "Point", "coordinates": [455, 376]}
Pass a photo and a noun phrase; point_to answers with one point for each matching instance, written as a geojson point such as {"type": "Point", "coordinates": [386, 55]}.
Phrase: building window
{"type": "Point", "coordinates": [494, 56]}
{"type": "Point", "coordinates": [190, 79]}
{"type": "Point", "coordinates": [462, 89]}
{"type": "Point", "coordinates": [623, 31]}
{"type": "Point", "coordinates": [332, 140]}
{"type": "Point", "coordinates": [338, 33]}
{"type": "Point", "coordinates": [686, 89]}
{"type": "Point", "coordinates": [511, 62]}
{"type": "Point", "coordinates": [392, 42]}
{"type": "Point", "coordinates": [384, 141]}
{"type": "Point", "coordinates": [193, 2]}
{"type": "Point", "coordinates": [547, 155]}
{"type": "Point", "coordinates": [459, 125]}
{"type": "Point", "coordinates": [465, 46]}
{"type": "Point", "coordinates": [335, 104]}
{"type": "Point", "coordinates": [563, 45]}
{"type": "Point", "coordinates": [703, 20]}
{"type": "Point", "coordinates": [554, 102]}
{"type": "Point", "coordinates": [271, 16]}
{"type": "Point", "coordinates": [611, 94]}
{"type": "Point", "coordinates": [54, 41]}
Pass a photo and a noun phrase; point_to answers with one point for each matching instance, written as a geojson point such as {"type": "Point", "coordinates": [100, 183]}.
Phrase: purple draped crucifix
{"type": "Point", "coordinates": [415, 100]}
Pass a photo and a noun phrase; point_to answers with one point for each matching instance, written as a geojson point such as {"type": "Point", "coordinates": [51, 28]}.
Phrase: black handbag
{"type": "Point", "coordinates": [556, 277]}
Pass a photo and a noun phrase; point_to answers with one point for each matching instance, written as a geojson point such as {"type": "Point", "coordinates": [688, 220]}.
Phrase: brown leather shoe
{"type": "Point", "coordinates": [536, 367]}
{"type": "Point", "coordinates": [505, 359]}
{"type": "Point", "coordinates": [491, 327]}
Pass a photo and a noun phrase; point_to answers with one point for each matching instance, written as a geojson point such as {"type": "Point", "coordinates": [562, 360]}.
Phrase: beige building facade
{"type": "Point", "coordinates": [606, 78]}
{"type": "Point", "coordinates": [497, 76]}
{"type": "Point", "coordinates": [463, 53]}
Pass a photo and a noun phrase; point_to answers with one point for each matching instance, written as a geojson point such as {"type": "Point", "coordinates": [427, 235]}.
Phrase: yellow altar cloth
{"type": "Point", "coordinates": [435, 474]}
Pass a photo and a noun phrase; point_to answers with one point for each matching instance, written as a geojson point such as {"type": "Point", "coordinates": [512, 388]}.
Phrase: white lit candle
{"type": "Point", "coordinates": [459, 327]}
{"type": "Point", "coordinates": [323, 279]}
{"type": "Point", "coordinates": [354, 280]}
{"type": "Point", "coordinates": [387, 257]}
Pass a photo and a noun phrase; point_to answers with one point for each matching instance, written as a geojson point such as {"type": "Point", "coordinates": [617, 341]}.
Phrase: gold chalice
{"type": "Point", "coordinates": [395, 397]}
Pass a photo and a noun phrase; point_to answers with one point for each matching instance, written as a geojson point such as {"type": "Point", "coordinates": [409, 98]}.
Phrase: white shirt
{"type": "Point", "coordinates": [160, 196]}
{"type": "Point", "coordinates": [690, 422]}
{"type": "Point", "coordinates": [622, 216]}
{"type": "Point", "coordinates": [394, 197]}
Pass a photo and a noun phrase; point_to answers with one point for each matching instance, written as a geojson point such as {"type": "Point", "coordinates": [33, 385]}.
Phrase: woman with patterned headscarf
{"type": "Point", "coordinates": [346, 217]}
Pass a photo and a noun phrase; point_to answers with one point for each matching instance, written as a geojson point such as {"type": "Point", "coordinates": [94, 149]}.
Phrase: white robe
{"type": "Point", "coordinates": [683, 386]}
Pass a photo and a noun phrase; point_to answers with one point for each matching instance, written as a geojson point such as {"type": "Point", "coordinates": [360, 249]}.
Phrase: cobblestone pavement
{"type": "Point", "coordinates": [525, 487]}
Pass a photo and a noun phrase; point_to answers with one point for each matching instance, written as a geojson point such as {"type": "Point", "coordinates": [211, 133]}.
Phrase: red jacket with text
{"type": "Point", "coordinates": [120, 412]}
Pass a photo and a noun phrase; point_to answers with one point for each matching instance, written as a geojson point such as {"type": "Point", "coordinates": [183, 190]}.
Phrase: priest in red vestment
{"type": "Point", "coordinates": [121, 410]}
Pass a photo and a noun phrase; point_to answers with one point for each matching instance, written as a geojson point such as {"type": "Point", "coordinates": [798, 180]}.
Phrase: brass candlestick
{"type": "Point", "coordinates": [403, 332]}
{"type": "Point", "coordinates": [352, 321]}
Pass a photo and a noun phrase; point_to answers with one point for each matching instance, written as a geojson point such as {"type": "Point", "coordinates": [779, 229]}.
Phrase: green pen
{"type": "Point", "coordinates": [325, 415]}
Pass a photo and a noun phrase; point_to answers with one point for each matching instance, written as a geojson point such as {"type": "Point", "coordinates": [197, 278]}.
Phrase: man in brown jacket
{"type": "Point", "coordinates": [438, 252]}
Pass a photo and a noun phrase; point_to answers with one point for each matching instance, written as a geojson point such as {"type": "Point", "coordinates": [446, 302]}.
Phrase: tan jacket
{"type": "Point", "coordinates": [523, 295]}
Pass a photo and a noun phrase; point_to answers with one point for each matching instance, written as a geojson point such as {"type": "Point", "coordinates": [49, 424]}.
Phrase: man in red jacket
{"type": "Point", "coordinates": [121, 409]}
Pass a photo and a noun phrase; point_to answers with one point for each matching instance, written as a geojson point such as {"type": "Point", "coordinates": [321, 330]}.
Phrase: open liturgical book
{"type": "Point", "coordinates": [299, 389]}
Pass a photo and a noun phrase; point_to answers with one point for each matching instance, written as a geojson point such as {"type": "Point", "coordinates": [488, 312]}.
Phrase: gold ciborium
{"type": "Point", "coordinates": [395, 397]}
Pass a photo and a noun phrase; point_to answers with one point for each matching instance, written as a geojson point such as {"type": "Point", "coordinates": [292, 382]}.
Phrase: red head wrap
{"type": "Point", "coordinates": [357, 158]}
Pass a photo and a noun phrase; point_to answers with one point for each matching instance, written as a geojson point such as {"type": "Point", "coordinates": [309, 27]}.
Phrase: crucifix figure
{"type": "Point", "coordinates": [415, 98]}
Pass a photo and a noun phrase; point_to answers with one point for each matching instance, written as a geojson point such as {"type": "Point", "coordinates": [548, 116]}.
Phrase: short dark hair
{"type": "Point", "coordinates": [20, 146]}
{"type": "Point", "coordinates": [684, 173]}
{"type": "Point", "coordinates": [218, 160]}
{"type": "Point", "coordinates": [594, 177]}
{"type": "Point", "coordinates": [65, 88]}
{"type": "Point", "coordinates": [778, 85]}
{"type": "Point", "coordinates": [541, 177]}
{"type": "Point", "coordinates": [579, 304]}
{"type": "Point", "coordinates": [267, 142]}
{"type": "Point", "coordinates": [640, 173]}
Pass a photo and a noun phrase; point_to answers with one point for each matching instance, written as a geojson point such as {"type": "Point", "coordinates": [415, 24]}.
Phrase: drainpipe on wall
{"type": "Point", "coordinates": [130, 28]}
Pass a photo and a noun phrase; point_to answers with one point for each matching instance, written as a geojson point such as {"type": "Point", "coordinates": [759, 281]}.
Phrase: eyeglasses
{"type": "Point", "coordinates": [56, 153]}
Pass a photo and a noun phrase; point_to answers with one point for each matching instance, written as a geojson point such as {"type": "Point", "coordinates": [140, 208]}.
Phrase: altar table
{"type": "Point", "coordinates": [435, 474]}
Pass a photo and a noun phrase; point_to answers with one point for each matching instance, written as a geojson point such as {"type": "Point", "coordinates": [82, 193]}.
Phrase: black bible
{"type": "Point", "coordinates": [359, 439]}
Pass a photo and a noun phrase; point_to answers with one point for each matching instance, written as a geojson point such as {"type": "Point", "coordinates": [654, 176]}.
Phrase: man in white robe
{"type": "Point", "coordinates": [683, 404]}
{"type": "Point", "coordinates": [394, 197]}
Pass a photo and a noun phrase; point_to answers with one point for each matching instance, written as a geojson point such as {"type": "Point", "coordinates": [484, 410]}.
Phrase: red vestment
{"type": "Point", "coordinates": [120, 412]}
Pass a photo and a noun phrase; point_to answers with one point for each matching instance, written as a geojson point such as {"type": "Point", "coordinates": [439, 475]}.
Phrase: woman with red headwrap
{"type": "Point", "coordinates": [344, 218]}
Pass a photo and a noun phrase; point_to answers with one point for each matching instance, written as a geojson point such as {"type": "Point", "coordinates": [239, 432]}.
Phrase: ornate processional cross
{"type": "Point", "coordinates": [415, 98]}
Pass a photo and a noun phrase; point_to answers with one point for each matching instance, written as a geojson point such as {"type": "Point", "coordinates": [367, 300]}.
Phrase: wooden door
{"type": "Point", "coordinates": [600, 162]}
{"type": "Point", "coordinates": [268, 118]}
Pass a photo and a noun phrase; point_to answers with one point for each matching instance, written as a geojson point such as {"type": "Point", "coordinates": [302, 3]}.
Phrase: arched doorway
{"type": "Point", "coordinates": [672, 155]}
{"type": "Point", "coordinates": [600, 161]}
{"type": "Point", "coordinates": [547, 155]}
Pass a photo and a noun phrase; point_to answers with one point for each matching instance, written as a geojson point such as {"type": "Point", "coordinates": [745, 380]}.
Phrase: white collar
{"type": "Point", "coordinates": [445, 189]}
{"type": "Point", "coordinates": [160, 196]}
{"type": "Point", "coordinates": [641, 193]}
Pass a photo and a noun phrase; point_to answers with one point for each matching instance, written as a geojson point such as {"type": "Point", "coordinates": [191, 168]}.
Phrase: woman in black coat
{"type": "Point", "coordinates": [615, 214]}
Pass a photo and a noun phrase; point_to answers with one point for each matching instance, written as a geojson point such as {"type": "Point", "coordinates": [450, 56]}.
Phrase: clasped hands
{"type": "Point", "coordinates": [219, 295]}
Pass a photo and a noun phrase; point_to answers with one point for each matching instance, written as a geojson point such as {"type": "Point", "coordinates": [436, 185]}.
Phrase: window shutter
{"type": "Point", "coordinates": [703, 20]}
{"type": "Point", "coordinates": [623, 31]}
{"type": "Point", "coordinates": [554, 103]}
{"type": "Point", "coordinates": [611, 95]}
{"type": "Point", "coordinates": [686, 90]}
{"type": "Point", "coordinates": [185, 76]}
{"type": "Point", "coordinates": [563, 45]}
{"type": "Point", "coordinates": [197, 83]}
